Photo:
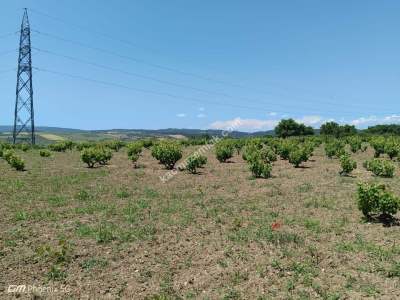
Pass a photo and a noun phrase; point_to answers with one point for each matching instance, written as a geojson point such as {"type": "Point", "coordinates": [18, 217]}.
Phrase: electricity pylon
{"type": "Point", "coordinates": [23, 116]}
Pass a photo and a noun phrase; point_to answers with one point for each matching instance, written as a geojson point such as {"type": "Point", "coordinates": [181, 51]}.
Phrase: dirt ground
{"type": "Point", "coordinates": [116, 232]}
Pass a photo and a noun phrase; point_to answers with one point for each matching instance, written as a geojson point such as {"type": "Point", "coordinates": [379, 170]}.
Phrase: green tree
{"type": "Point", "coordinates": [336, 130]}
{"type": "Point", "coordinates": [289, 127]}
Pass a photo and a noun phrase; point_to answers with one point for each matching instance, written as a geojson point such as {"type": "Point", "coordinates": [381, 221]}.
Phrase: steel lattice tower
{"type": "Point", "coordinates": [23, 116]}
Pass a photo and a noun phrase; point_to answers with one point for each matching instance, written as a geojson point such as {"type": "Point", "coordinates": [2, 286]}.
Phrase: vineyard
{"type": "Point", "coordinates": [311, 217]}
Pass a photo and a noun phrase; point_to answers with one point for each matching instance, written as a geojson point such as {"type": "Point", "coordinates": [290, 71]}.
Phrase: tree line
{"type": "Point", "coordinates": [289, 127]}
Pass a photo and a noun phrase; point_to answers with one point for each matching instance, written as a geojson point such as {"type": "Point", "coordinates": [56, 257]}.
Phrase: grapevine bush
{"type": "Point", "coordinates": [375, 199]}
{"type": "Point", "coordinates": [334, 148]}
{"type": "Point", "coordinates": [378, 143]}
{"type": "Point", "coordinates": [83, 145]}
{"type": "Point", "coordinates": [260, 168]}
{"type": "Point", "coordinates": [133, 150]}
{"type": "Point", "coordinates": [7, 154]}
{"type": "Point", "coordinates": [114, 145]}
{"type": "Point", "coordinates": [14, 160]}
{"type": "Point", "coordinates": [348, 164]}
{"type": "Point", "coordinates": [267, 154]}
{"type": "Point", "coordinates": [392, 148]}
{"type": "Point", "coordinates": [195, 161]}
{"type": "Point", "coordinates": [17, 163]}
{"type": "Point", "coordinates": [44, 153]}
{"type": "Point", "coordinates": [58, 147]}
{"type": "Point", "coordinates": [167, 153]}
{"type": "Point", "coordinates": [355, 143]}
{"type": "Point", "coordinates": [24, 147]}
{"type": "Point", "coordinates": [297, 156]}
{"type": "Point", "coordinates": [104, 155]}
{"type": "Point", "coordinates": [96, 155]}
{"type": "Point", "coordinates": [148, 143]}
{"type": "Point", "coordinates": [134, 158]}
{"type": "Point", "coordinates": [285, 148]}
{"type": "Point", "coordinates": [224, 150]}
{"type": "Point", "coordinates": [308, 148]}
{"type": "Point", "coordinates": [250, 151]}
{"type": "Point", "coordinates": [379, 167]}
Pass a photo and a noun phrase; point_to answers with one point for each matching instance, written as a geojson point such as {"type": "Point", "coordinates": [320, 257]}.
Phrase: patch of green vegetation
{"type": "Point", "coordinates": [231, 294]}
{"type": "Point", "coordinates": [57, 200]}
{"type": "Point", "coordinates": [313, 225]}
{"type": "Point", "coordinates": [102, 232]}
{"type": "Point", "coordinates": [123, 193]}
{"type": "Point", "coordinates": [134, 212]}
{"type": "Point", "coordinates": [59, 256]}
{"type": "Point", "coordinates": [47, 215]}
{"type": "Point", "coordinates": [260, 229]}
{"type": "Point", "coordinates": [305, 188]}
{"type": "Point", "coordinates": [106, 232]}
{"type": "Point", "coordinates": [93, 207]}
{"type": "Point", "coordinates": [319, 203]}
{"type": "Point", "coordinates": [369, 289]}
{"type": "Point", "coordinates": [222, 263]}
{"type": "Point", "coordinates": [92, 263]}
{"type": "Point", "coordinates": [13, 236]}
{"type": "Point", "coordinates": [339, 224]}
{"type": "Point", "coordinates": [373, 250]}
{"type": "Point", "coordinates": [394, 270]}
{"type": "Point", "coordinates": [350, 282]}
{"type": "Point", "coordinates": [239, 276]}
{"type": "Point", "coordinates": [21, 215]}
{"type": "Point", "coordinates": [151, 193]}
{"type": "Point", "coordinates": [56, 273]}
{"type": "Point", "coordinates": [83, 195]}
{"type": "Point", "coordinates": [58, 182]}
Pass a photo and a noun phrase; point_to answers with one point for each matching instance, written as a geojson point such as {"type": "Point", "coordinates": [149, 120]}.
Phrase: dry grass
{"type": "Point", "coordinates": [119, 232]}
{"type": "Point", "coordinates": [51, 137]}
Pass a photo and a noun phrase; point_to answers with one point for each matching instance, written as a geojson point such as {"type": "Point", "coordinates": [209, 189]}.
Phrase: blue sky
{"type": "Point", "coordinates": [206, 64]}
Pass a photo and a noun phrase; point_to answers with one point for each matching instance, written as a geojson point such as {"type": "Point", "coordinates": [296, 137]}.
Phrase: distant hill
{"type": "Point", "coordinates": [7, 128]}
{"type": "Point", "coordinates": [182, 131]}
{"type": "Point", "coordinates": [57, 133]}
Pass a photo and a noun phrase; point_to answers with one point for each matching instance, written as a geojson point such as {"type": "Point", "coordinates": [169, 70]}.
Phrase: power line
{"type": "Point", "coordinates": [3, 36]}
{"type": "Point", "coordinates": [143, 90]}
{"type": "Point", "coordinates": [166, 68]}
{"type": "Point", "coordinates": [165, 94]}
{"type": "Point", "coordinates": [8, 52]}
{"type": "Point", "coordinates": [137, 60]}
{"type": "Point", "coordinates": [137, 46]}
{"type": "Point", "coordinates": [102, 50]}
{"type": "Point", "coordinates": [131, 73]}
{"type": "Point", "coordinates": [7, 70]}
{"type": "Point", "coordinates": [99, 33]}
{"type": "Point", "coordinates": [152, 78]}
{"type": "Point", "coordinates": [192, 99]}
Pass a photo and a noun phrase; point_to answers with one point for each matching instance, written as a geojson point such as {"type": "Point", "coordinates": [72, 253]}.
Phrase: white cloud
{"type": "Point", "coordinates": [201, 115]}
{"type": "Point", "coordinates": [245, 124]}
{"type": "Point", "coordinates": [373, 120]}
{"type": "Point", "coordinates": [259, 124]}
{"type": "Point", "coordinates": [181, 115]}
{"type": "Point", "coordinates": [202, 109]}
{"type": "Point", "coordinates": [311, 120]}
{"type": "Point", "coordinates": [392, 119]}
{"type": "Point", "coordinates": [272, 114]}
{"type": "Point", "coordinates": [363, 120]}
